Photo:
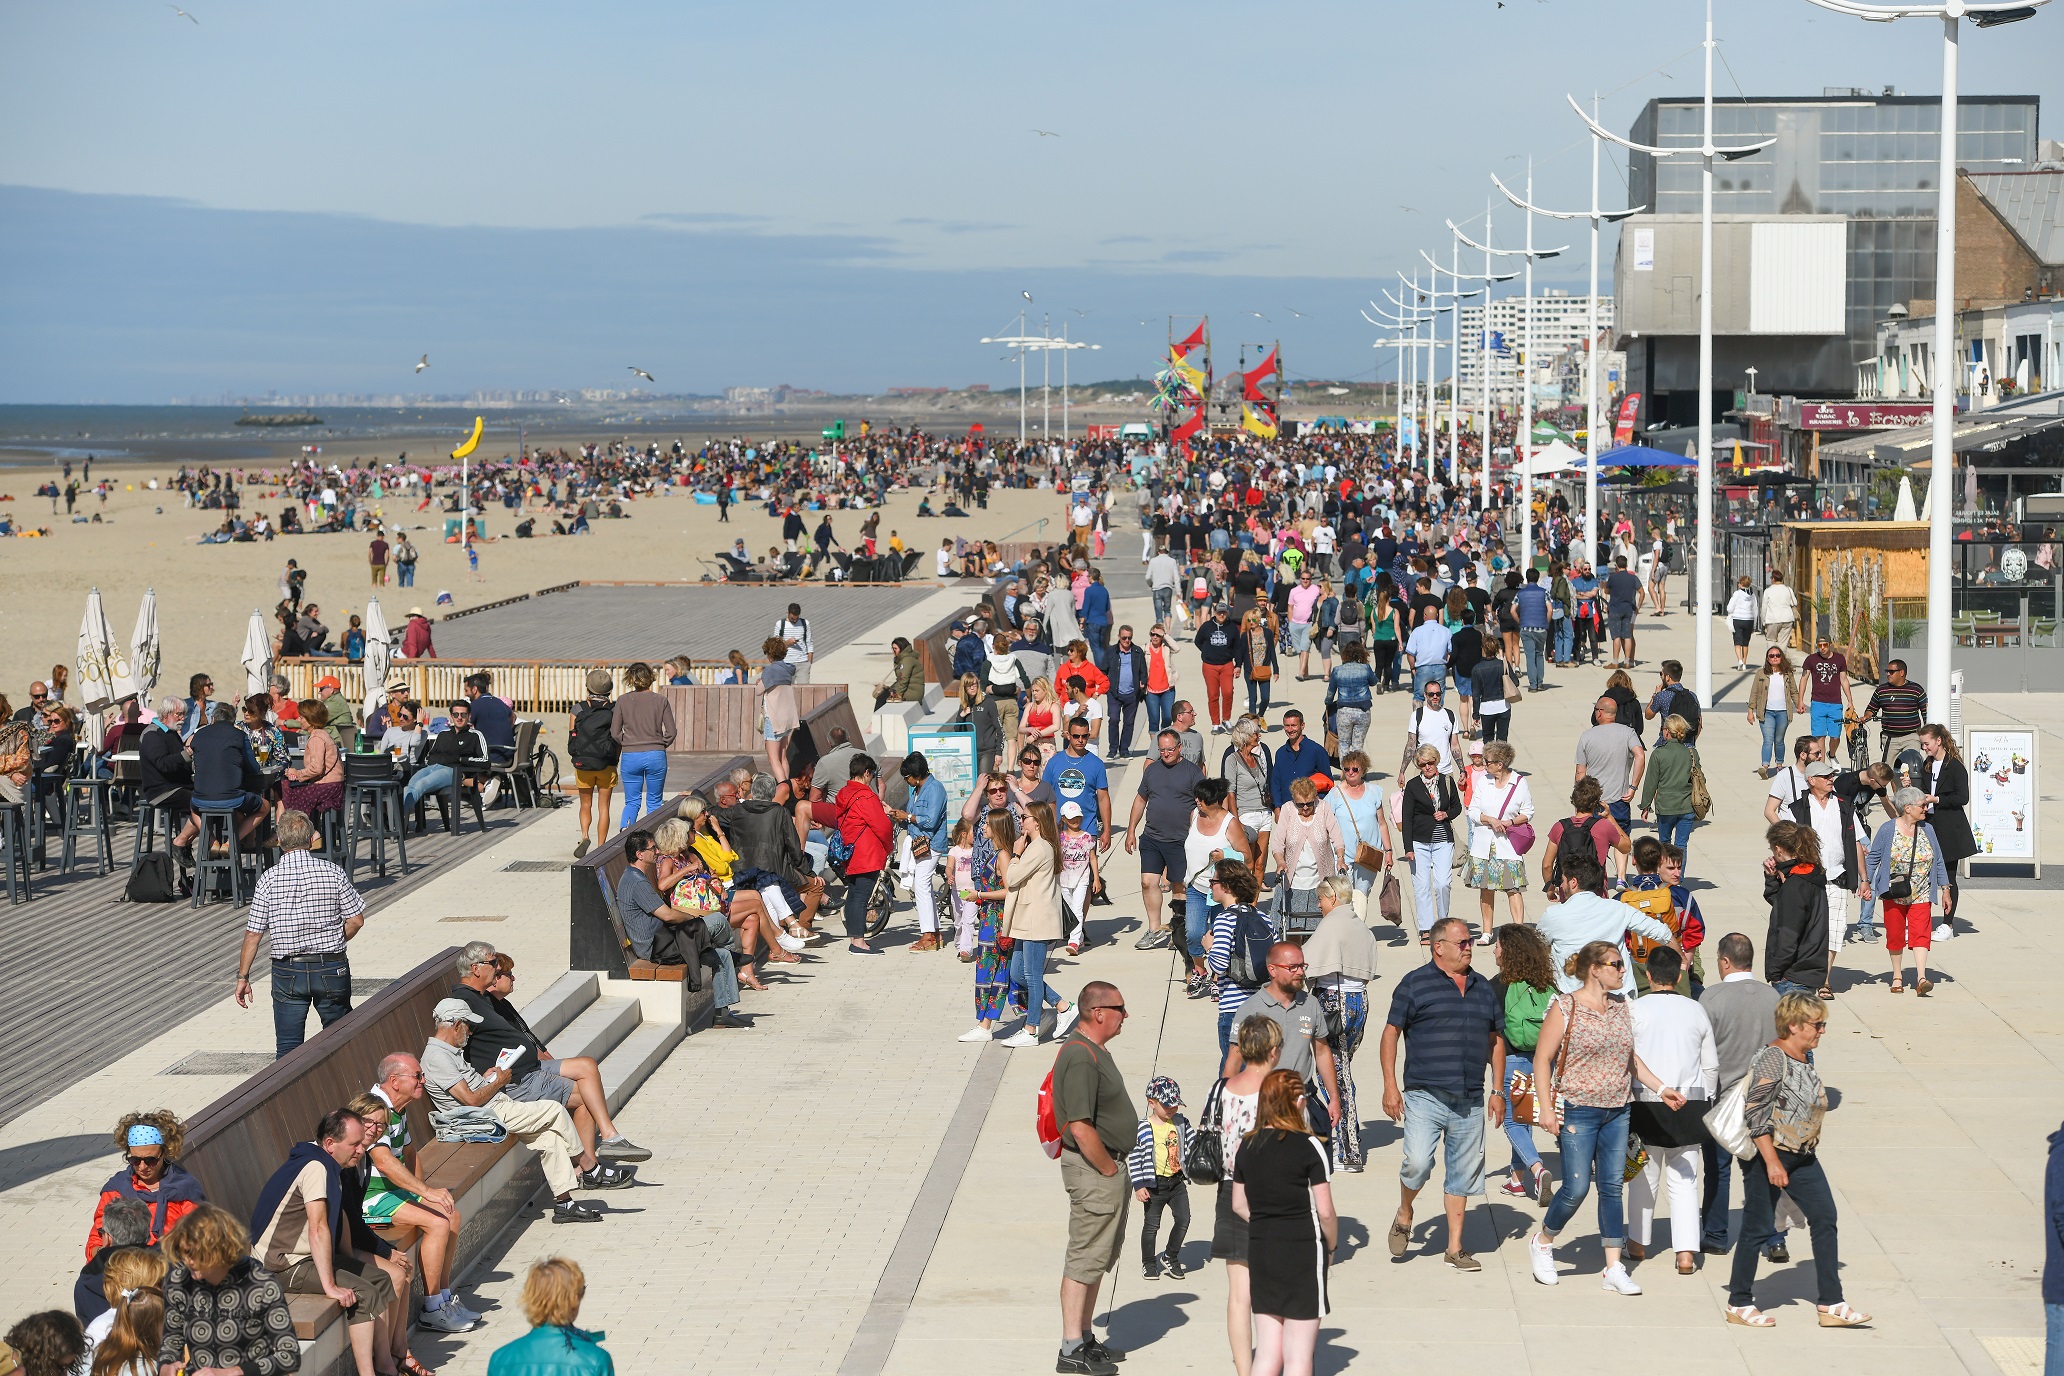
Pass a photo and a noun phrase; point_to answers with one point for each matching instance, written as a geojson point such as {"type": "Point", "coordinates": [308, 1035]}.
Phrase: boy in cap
{"type": "Point", "coordinates": [1157, 1165]}
{"type": "Point", "coordinates": [594, 754]}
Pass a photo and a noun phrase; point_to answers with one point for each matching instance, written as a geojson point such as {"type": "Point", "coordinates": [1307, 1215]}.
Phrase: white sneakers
{"type": "Point", "coordinates": [1944, 931]}
{"type": "Point", "coordinates": [1067, 1020]}
{"type": "Point", "coordinates": [1618, 1281]}
{"type": "Point", "coordinates": [1029, 1036]}
{"type": "Point", "coordinates": [1542, 1255]}
{"type": "Point", "coordinates": [977, 1033]}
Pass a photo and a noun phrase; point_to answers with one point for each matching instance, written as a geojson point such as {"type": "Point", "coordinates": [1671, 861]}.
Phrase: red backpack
{"type": "Point", "coordinates": [1044, 1121]}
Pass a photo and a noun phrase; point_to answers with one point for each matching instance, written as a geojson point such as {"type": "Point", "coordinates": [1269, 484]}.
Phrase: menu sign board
{"type": "Point", "coordinates": [1863, 415]}
{"type": "Point", "coordinates": [2004, 794]}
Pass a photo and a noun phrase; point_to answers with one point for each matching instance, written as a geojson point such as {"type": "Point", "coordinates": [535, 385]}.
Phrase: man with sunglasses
{"type": "Point", "coordinates": [1098, 1126]}
{"type": "Point", "coordinates": [1076, 776]}
{"type": "Point", "coordinates": [1583, 914]}
{"type": "Point", "coordinates": [1451, 1021]}
{"type": "Point", "coordinates": [1285, 1002]}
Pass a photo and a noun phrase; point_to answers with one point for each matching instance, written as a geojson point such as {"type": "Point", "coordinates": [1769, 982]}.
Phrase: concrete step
{"type": "Point", "coordinates": [561, 1002]}
{"type": "Point", "coordinates": [636, 1057]}
{"type": "Point", "coordinates": [600, 1027]}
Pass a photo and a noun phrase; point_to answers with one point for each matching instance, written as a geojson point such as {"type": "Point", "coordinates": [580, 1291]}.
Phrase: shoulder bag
{"type": "Point", "coordinates": [1205, 1161]}
{"type": "Point", "coordinates": [1365, 855]}
{"type": "Point", "coordinates": [1521, 833]}
{"type": "Point", "coordinates": [1701, 796]}
{"type": "Point", "coordinates": [1900, 890]}
{"type": "Point", "coordinates": [1728, 1122]}
{"type": "Point", "coordinates": [1512, 691]}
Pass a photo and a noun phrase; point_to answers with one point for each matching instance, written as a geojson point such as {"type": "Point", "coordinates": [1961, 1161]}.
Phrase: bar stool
{"type": "Point", "coordinates": [87, 804]}
{"type": "Point", "coordinates": [14, 850]}
{"type": "Point", "coordinates": [218, 824]}
{"type": "Point", "coordinates": [150, 817]}
{"type": "Point", "coordinates": [372, 815]}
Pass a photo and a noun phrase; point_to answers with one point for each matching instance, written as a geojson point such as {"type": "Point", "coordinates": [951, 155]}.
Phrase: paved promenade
{"type": "Point", "coordinates": [845, 1188]}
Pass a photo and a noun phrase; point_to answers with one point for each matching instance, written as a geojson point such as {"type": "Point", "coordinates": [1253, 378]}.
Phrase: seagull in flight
{"type": "Point", "coordinates": [641, 372]}
{"type": "Point", "coordinates": [1294, 311]}
{"type": "Point", "coordinates": [1259, 316]}
{"type": "Point", "coordinates": [1026, 294]}
{"type": "Point", "coordinates": [423, 363]}
{"type": "Point", "coordinates": [1046, 133]}
{"type": "Point", "coordinates": [1078, 310]}
{"type": "Point", "coordinates": [180, 12]}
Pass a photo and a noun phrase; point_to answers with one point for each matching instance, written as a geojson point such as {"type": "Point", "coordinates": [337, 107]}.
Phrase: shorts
{"type": "Point", "coordinates": [595, 778]}
{"type": "Point", "coordinates": [1300, 637]}
{"type": "Point", "coordinates": [1256, 823]}
{"type": "Point", "coordinates": [1431, 1115]}
{"type": "Point", "coordinates": [1163, 857]}
{"type": "Point", "coordinates": [1827, 718]}
{"type": "Point", "coordinates": [540, 1086]}
{"type": "Point", "coordinates": [1622, 624]}
{"type": "Point", "coordinates": [1096, 1217]}
{"type": "Point", "coordinates": [357, 1274]}
{"type": "Point", "coordinates": [380, 1206]}
{"type": "Point", "coordinates": [1742, 631]}
{"type": "Point", "coordinates": [768, 732]}
{"type": "Point", "coordinates": [244, 804]}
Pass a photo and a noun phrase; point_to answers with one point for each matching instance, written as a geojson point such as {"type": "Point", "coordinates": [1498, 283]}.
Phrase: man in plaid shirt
{"type": "Point", "coordinates": [307, 908]}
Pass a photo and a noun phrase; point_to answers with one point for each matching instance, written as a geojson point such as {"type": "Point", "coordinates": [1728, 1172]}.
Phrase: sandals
{"type": "Point", "coordinates": [412, 1367]}
{"type": "Point", "coordinates": [1825, 994]}
{"type": "Point", "coordinates": [1924, 987]}
{"type": "Point", "coordinates": [1686, 1266]}
{"type": "Point", "coordinates": [1842, 1316]}
{"type": "Point", "coordinates": [1749, 1316]}
{"type": "Point", "coordinates": [1897, 987]}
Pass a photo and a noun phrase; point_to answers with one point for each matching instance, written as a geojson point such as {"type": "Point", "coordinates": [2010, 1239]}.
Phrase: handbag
{"type": "Point", "coordinates": [1701, 796]}
{"type": "Point", "coordinates": [1521, 833]}
{"type": "Point", "coordinates": [1390, 899]}
{"type": "Point", "coordinates": [1900, 890]}
{"type": "Point", "coordinates": [1728, 1122]}
{"type": "Point", "coordinates": [1523, 1105]}
{"type": "Point", "coordinates": [1659, 1125]}
{"type": "Point", "coordinates": [1262, 673]}
{"type": "Point", "coordinates": [1205, 1160]}
{"type": "Point", "coordinates": [1365, 855]}
{"type": "Point", "coordinates": [1512, 690]}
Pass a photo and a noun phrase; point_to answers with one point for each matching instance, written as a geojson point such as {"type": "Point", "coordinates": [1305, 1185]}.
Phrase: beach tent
{"type": "Point", "coordinates": [144, 655]}
{"type": "Point", "coordinates": [257, 656]}
{"type": "Point", "coordinates": [1554, 459]}
{"type": "Point", "coordinates": [1903, 510]}
{"type": "Point", "coordinates": [1641, 456]}
{"type": "Point", "coordinates": [379, 654]}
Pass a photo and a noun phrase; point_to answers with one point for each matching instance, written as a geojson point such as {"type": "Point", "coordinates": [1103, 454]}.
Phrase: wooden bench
{"type": "Point", "coordinates": [235, 1144]}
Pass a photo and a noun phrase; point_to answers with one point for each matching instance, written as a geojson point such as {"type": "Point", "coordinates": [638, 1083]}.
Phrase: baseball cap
{"type": "Point", "coordinates": [454, 1010]}
{"type": "Point", "coordinates": [958, 626]}
{"type": "Point", "coordinates": [599, 683]}
{"type": "Point", "coordinates": [1821, 769]}
{"type": "Point", "coordinates": [328, 681]}
{"type": "Point", "coordinates": [1161, 1089]}
{"type": "Point", "coordinates": [1071, 809]}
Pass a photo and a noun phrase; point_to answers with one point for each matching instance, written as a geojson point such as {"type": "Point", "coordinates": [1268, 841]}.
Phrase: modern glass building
{"type": "Point", "coordinates": [1870, 158]}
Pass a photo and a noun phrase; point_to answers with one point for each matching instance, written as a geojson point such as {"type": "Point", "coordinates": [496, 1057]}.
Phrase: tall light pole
{"type": "Point", "coordinates": [1021, 342]}
{"type": "Point", "coordinates": [1454, 251]}
{"type": "Point", "coordinates": [1489, 253]}
{"type": "Point", "coordinates": [1702, 569]}
{"type": "Point", "coordinates": [1523, 437]}
{"type": "Point", "coordinates": [1067, 347]}
{"type": "Point", "coordinates": [1454, 297]}
{"type": "Point", "coordinates": [1942, 452]}
{"type": "Point", "coordinates": [1597, 217]}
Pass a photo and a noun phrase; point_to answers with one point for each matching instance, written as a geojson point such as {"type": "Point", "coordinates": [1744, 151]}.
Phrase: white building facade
{"type": "Point", "coordinates": [1559, 322]}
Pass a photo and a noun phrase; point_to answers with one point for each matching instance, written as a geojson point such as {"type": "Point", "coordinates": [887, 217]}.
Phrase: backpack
{"type": "Point", "coordinates": [154, 880]}
{"type": "Point", "coordinates": [1571, 827]}
{"type": "Point", "coordinates": [1658, 904]}
{"type": "Point", "coordinates": [1046, 1124]}
{"type": "Point", "coordinates": [1245, 966]}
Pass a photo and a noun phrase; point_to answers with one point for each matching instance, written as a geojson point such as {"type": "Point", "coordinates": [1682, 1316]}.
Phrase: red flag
{"type": "Point", "coordinates": [1195, 340]}
{"type": "Point", "coordinates": [1182, 433]}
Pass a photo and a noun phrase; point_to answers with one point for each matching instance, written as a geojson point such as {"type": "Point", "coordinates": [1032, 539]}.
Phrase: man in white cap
{"type": "Point", "coordinates": [544, 1124]}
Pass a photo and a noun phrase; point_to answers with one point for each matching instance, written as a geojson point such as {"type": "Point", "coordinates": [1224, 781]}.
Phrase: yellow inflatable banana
{"type": "Point", "coordinates": [472, 441]}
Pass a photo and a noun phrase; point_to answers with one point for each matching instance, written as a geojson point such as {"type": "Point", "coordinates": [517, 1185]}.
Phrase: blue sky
{"type": "Point", "coordinates": [301, 197]}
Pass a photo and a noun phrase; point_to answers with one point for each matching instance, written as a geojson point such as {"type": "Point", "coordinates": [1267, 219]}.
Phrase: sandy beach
{"type": "Point", "coordinates": [206, 593]}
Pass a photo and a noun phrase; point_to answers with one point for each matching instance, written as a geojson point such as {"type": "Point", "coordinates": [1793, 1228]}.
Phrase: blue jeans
{"type": "Point", "coordinates": [1593, 1141]}
{"type": "Point", "coordinates": [1425, 674]}
{"type": "Point", "coordinates": [1164, 605]}
{"type": "Point", "coordinates": [406, 575]}
{"type": "Point", "coordinates": [1674, 829]}
{"type": "Point", "coordinates": [1565, 632]}
{"type": "Point", "coordinates": [2053, 1340]}
{"type": "Point", "coordinates": [1257, 695]}
{"type": "Point", "coordinates": [1028, 972]}
{"type": "Point", "coordinates": [1713, 1211]}
{"type": "Point", "coordinates": [296, 985]}
{"type": "Point", "coordinates": [1198, 910]}
{"type": "Point", "coordinates": [641, 772]}
{"type": "Point", "coordinates": [1160, 713]}
{"type": "Point", "coordinates": [1521, 1135]}
{"type": "Point", "coordinates": [1432, 877]}
{"type": "Point", "coordinates": [1430, 1116]}
{"type": "Point", "coordinates": [431, 778]}
{"type": "Point", "coordinates": [1809, 1190]}
{"type": "Point", "coordinates": [1535, 642]}
{"type": "Point", "coordinates": [1225, 1032]}
{"type": "Point", "coordinates": [1774, 724]}
{"type": "Point", "coordinates": [859, 888]}
{"type": "Point", "coordinates": [724, 984]}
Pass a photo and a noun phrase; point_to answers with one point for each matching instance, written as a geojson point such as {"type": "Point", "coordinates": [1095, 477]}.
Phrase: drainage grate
{"type": "Point", "coordinates": [536, 866]}
{"type": "Point", "coordinates": [502, 918]}
{"type": "Point", "coordinates": [238, 1063]}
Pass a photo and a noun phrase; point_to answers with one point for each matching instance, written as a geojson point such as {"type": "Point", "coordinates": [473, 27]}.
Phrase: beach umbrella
{"type": "Point", "coordinates": [1928, 500]}
{"type": "Point", "coordinates": [257, 656]}
{"type": "Point", "coordinates": [97, 665]}
{"type": "Point", "coordinates": [144, 653]}
{"type": "Point", "coordinates": [1971, 489]}
{"type": "Point", "coordinates": [379, 653]}
{"type": "Point", "coordinates": [1903, 510]}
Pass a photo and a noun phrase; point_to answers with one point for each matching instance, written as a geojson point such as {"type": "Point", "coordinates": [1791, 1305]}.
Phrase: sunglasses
{"type": "Point", "coordinates": [138, 1162]}
{"type": "Point", "coordinates": [999, 790]}
{"type": "Point", "coordinates": [1464, 942]}
{"type": "Point", "coordinates": [1117, 1008]}
{"type": "Point", "coordinates": [1612, 964]}
{"type": "Point", "coordinates": [1820, 1026]}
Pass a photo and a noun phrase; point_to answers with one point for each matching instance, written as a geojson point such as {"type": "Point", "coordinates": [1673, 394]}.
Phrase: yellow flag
{"type": "Point", "coordinates": [1253, 422]}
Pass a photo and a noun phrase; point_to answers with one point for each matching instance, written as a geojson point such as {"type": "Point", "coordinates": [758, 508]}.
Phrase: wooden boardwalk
{"type": "Point", "coordinates": [86, 978]}
{"type": "Point", "coordinates": [652, 623]}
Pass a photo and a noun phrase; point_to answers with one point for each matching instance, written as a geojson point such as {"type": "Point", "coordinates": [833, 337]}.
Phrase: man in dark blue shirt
{"type": "Point", "coordinates": [1531, 602]}
{"type": "Point", "coordinates": [492, 719]}
{"type": "Point", "coordinates": [1622, 598]}
{"type": "Point", "coordinates": [1298, 757]}
{"type": "Point", "coordinates": [1452, 1021]}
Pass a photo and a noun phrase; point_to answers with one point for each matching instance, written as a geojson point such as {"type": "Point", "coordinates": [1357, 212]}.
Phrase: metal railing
{"type": "Point", "coordinates": [533, 685]}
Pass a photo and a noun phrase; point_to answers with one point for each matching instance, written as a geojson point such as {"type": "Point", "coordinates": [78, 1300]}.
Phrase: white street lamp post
{"type": "Point", "coordinates": [1702, 568]}
{"type": "Point", "coordinates": [1523, 436]}
{"type": "Point", "coordinates": [1942, 451]}
{"type": "Point", "coordinates": [1483, 347]}
{"type": "Point", "coordinates": [1526, 527]}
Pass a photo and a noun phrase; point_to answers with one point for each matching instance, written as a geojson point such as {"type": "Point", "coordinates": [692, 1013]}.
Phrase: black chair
{"type": "Point", "coordinates": [151, 816]}
{"type": "Point", "coordinates": [14, 850]}
{"type": "Point", "coordinates": [451, 802]}
{"type": "Point", "coordinates": [372, 813]}
{"type": "Point", "coordinates": [87, 803]}
{"type": "Point", "coordinates": [212, 871]}
{"type": "Point", "coordinates": [520, 774]}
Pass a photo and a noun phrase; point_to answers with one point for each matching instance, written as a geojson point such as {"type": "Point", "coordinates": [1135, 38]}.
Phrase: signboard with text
{"type": "Point", "coordinates": [949, 752]}
{"type": "Point", "coordinates": [2003, 767]}
{"type": "Point", "coordinates": [1862, 415]}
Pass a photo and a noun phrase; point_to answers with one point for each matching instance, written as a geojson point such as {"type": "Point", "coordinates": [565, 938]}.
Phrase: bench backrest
{"type": "Point", "coordinates": [932, 648]}
{"type": "Point", "coordinates": [718, 718]}
{"type": "Point", "coordinates": [235, 1144]}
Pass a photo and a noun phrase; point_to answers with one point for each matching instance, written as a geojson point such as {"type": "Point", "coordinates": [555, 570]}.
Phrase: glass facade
{"type": "Point", "coordinates": [1872, 159]}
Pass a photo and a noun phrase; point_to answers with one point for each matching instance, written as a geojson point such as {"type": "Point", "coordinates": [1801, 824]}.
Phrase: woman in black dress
{"type": "Point", "coordinates": [1280, 1188]}
{"type": "Point", "coordinates": [1949, 793]}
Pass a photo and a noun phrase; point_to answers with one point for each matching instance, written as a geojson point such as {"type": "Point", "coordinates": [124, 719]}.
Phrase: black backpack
{"type": "Point", "coordinates": [1571, 829]}
{"type": "Point", "coordinates": [154, 880]}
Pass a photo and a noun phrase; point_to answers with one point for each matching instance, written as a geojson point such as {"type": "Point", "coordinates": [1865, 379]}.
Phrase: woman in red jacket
{"type": "Point", "coordinates": [864, 824]}
{"type": "Point", "coordinates": [150, 1144]}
